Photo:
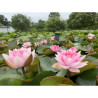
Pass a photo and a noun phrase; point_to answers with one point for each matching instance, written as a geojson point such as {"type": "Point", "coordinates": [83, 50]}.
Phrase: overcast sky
{"type": "Point", "coordinates": [35, 16]}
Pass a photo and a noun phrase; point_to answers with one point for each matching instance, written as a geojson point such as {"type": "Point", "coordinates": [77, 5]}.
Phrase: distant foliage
{"type": "Point", "coordinates": [81, 20]}
{"type": "Point", "coordinates": [1, 24]}
{"type": "Point", "coordinates": [21, 22]}
{"type": "Point", "coordinates": [54, 15]}
{"type": "Point", "coordinates": [55, 24]}
{"type": "Point", "coordinates": [76, 21]}
{"type": "Point", "coordinates": [4, 21]}
{"type": "Point", "coordinates": [40, 24]}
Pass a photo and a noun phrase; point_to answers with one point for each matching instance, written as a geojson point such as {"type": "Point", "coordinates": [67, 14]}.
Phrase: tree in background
{"type": "Point", "coordinates": [1, 24]}
{"type": "Point", "coordinates": [97, 19]}
{"type": "Point", "coordinates": [34, 25]}
{"type": "Point", "coordinates": [54, 15]}
{"type": "Point", "coordinates": [4, 21]}
{"type": "Point", "coordinates": [81, 20]}
{"type": "Point", "coordinates": [40, 24]}
{"type": "Point", "coordinates": [21, 22]}
{"type": "Point", "coordinates": [54, 24]}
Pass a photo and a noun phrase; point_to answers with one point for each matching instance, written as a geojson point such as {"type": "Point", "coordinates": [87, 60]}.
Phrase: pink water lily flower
{"type": "Point", "coordinates": [27, 44]}
{"type": "Point", "coordinates": [73, 49]}
{"type": "Point", "coordinates": [91, 36]}
{"type": "Point", "coordinates": [44, 42]}
{"type": "Point", "coordinates": [55, 48]}
{"type": "Point", "coordinates": [36, 44]}
{"type": "Point", "coordinates": [53, 38]}
{"type": "Point", "coordinates": [19, 57]}
{"type": "Point", "coordinates": [70, 59]}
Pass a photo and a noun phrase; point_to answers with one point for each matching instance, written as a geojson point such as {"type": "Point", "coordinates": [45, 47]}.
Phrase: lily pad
{"type": "Point", "coordinates": [36, 80]}
{"type": "Point", "coordinates": [56, 80]}
{"type": "Point", "coordinates": [93, 58]}
{"type": "Point", "coordinates": [42, 48]}
{"type": "Point", "coordinates": [46, 64]}
{"type": "Point", "coordinates": [62, 72]}
{"type": "Point", "coordinates": [88, 77]}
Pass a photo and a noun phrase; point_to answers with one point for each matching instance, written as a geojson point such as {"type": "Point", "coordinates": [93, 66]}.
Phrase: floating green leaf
{"type": "Point", "coordinates": [46, 64]}
{"type": "Point", "coordinates": [93, 58]}
{"type": "Point", "coordinates": [88, 77]}
{"type": "Point", "coordinates": [41, 48]}
{"type": "Point", "coordinates": [36, 80]}
{"type": "Point", "coordinates": [33, 69]}
{"type": "Point", "coordinates": [11, 82]}
{"type": "Point", "coordinates": [62, 72]}
{"type": "Point", "coordinates": [56, 80]}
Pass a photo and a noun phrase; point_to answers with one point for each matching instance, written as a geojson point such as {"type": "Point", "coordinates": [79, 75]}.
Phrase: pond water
{"type": "Point", "coordinates": [9, 29]}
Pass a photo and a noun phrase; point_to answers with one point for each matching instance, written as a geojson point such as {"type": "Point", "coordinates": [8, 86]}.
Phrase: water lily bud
{"type": "Point", "coordinates": [53, 38]}
{"type": "Point", "coordinates": [55, 48]}
{"type": "Point", "coordinates": [19, 58]}
{"type": "Point", "coordinates": [91, 36]}
{"type": "Point", "coordinates": [44, 42]}
{"type": "Point", "coordinates": [36, 44]}
{"type": "Point", "coordinates": [27, 44]}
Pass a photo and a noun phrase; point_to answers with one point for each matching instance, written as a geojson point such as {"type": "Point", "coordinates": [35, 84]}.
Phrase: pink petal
{"type": "Point", "coordinates": [65, 67]}
{"type": "Point", "coordinates": [64, 58]}
{"type": "Point", "coordinates": [10, 52]}
{"type": "Point", "coordinates": [11, 58]}
{"type": "Point", "coordinates": [74, 65]}
{"type": "Point", "coordinates": [74, 70]}
{"type": "Point", "coordinates": [6, 57]}
{"type": "Point", "coordinates": [78, 54]}
{"type": "Point", "coordinates": [69, 61]}
{"type": "Point", "coordinates": [82, 64]}
{"type": "Point", "coordinates": [59, 60]}
{"type": "Point", "coordinates": [25, 56]}
{"type": "Point", "coordinates": [56, 65]}
{"type": "Point", "coordinates": [19, 62]}
{"type": "Point", "coordinates": [81, 58]}
{"type": "Point", "coordinates": [8, 62]}
{"type": "Point", "coordinates": [29, 50]}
